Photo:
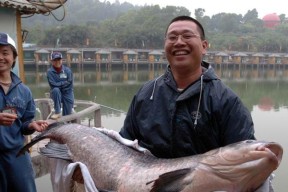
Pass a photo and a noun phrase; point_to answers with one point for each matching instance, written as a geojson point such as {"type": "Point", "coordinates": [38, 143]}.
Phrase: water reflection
{"type": "Point", "coordinates": [102, 75]}
{"type": "Point", "coordinates": [263, 90]}
{"type": "Point", "coordinates": [134, 75]}
{"type": "Point", "coordinates": [116, 86]}
{"type": "Point", "coordinates": [256, 72]}
{"type": "Point", "coordinates": [271, 125]}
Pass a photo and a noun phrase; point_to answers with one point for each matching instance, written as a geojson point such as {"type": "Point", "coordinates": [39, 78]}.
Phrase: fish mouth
{"type": "Point", "coordinates": [273, 150]}
{"type": "Point", "coordinates": [249, 169]}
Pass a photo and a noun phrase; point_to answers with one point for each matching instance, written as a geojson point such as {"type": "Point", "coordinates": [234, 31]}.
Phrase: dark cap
{"type": "Point", "coordinates": [56, 55]}
{"type": "Point", "coordinates": [5, 39]}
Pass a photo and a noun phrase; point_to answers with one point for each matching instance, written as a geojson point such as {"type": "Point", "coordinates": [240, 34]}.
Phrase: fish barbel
{"type": "Point", "coordinates": [239, 167]}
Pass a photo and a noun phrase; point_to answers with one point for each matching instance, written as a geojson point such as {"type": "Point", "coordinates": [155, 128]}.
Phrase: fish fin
{"type": "Point", "coordinates": [38, 138]}
{"type": "Point", "coordinates": [56, 150]}
{"type": "Point", "coordinates": [170, 181]}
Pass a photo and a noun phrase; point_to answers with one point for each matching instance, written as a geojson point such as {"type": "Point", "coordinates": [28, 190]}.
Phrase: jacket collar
{"type": "Point", "coordinates": [207, 72]}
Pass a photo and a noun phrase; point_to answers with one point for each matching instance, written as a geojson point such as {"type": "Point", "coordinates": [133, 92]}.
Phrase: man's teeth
{"type": "Point", "coordinates": [180, 53]}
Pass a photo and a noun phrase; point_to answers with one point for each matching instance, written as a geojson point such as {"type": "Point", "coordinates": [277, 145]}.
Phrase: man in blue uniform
{"type": "Point", "coordinates": [17, 111]}
{"type": "Point", "coordinates": [60, 79]}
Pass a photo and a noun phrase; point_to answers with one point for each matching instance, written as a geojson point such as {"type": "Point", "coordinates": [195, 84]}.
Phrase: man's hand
{"type": "Point", "coordinates": [7, 119]}
{"type": "Point", "coordinates": [39, 125]}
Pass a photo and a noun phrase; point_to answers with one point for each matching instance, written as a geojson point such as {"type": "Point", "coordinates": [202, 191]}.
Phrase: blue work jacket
{"type": "Point", "coordinates": [18, 97]}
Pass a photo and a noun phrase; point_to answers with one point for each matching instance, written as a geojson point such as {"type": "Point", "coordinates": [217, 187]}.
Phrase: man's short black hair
{"type": "Point", "coordinates": [188, 18]}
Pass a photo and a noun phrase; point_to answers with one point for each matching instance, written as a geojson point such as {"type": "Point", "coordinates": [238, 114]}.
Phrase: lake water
{"type": "Point", "coordinates": [263, 90]}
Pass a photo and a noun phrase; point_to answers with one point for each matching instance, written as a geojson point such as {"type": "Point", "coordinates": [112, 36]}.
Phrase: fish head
{"type": "Point", "coordinates": [245, 151]}
{"type": "Point", "coordinates": [247, 164]}
{"type": "Point", "coordinates": [252, 150]}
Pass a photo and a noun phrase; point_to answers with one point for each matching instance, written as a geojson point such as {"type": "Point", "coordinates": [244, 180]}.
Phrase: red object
{"type": "Point", "coordinates": [271, 20]}
{"type": "Point", "coordinates": [266, 104]}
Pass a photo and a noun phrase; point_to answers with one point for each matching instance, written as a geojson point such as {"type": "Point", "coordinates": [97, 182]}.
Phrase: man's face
{"type": "Point", "coordinates": [57, 62]}
{"type": "Point", "coordinates": [6, 58]}
{"type": "Point", "coordinates": [183, 45]}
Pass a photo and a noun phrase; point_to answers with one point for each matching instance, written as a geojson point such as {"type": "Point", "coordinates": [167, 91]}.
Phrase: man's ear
{"type": "Point", "coordinates": [204, 46]}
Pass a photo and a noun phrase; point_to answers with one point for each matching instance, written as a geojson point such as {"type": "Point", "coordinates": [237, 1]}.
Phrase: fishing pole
{"type": "Point", "coordinates": [113, 108]}
{"type": "Point", "coordinates": [121, 111]}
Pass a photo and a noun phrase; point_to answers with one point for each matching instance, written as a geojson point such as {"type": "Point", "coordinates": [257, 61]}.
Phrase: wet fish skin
{"type": "Point", "coordinates": [239, 167]}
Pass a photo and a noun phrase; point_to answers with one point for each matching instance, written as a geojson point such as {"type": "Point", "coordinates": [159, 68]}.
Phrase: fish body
{"type": "Point", "coordinates": [239, 167]}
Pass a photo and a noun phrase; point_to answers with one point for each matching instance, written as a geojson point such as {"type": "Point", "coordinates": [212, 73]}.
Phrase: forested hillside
{"type": "Point", "coordinates": [92, 23]}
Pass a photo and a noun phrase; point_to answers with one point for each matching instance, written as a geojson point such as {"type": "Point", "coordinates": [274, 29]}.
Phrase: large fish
{"type": "Point", "coordinates": [239, 167]}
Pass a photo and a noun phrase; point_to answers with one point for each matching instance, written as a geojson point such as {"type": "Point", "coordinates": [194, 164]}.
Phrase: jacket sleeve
{"type": "Point", "coordinates": [129, 129]}
{"type": "Point", "coordinates": [235, 119]}
{"type": "Point", "coordinates": [53, 80]}
{"type": "Point", "coordinates": [68, 84]}
{"type": "Point", "coordinates": [28, 115]}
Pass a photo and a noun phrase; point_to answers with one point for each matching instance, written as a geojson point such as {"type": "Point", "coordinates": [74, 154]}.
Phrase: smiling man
{"type": "Point", "coordinates": [185, 46]}
{"type": "Point", "coordinates": [17, 113]}
{"type": "Point", "coordinates": [188, 110]}
{"type": "Point", "coordinates": [60, 79]}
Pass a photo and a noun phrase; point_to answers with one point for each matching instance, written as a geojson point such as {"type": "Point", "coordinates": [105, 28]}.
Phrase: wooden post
{"type": "Point", "coordinates": [19, 47]}
{"type": "Point", "coordinates": [97, 118]}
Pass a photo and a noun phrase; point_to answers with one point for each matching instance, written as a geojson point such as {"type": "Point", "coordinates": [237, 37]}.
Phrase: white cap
{"type": "Point", "coordinates": [5, 39]}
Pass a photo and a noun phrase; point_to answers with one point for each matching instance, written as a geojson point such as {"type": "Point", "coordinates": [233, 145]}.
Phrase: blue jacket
{"type": "Point", "coordinates": [172, 123]}
{"type": "Point", "coordinates": [64, 83]}
{"type": "Point", "coordinates": [20, 97]}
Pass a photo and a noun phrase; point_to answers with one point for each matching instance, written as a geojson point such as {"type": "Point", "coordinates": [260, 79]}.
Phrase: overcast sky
{"type": "Point", "coordinates": [213, 7]}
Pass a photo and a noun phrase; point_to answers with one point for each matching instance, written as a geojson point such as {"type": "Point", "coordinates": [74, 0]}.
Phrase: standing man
{"type": "Point", "coordinates": [188, 110]}
{"type": "Point", "coordinates": [60, 79]}
{"type": "Point", "coordinates": [17, 111]}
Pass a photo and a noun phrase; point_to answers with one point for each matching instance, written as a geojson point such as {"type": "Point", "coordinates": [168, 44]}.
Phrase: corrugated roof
{"type": "Point", "coordinates": [42, 51]}
{"type": "Point", "coordinates": [258, 55]}
{"type": "Point", "coordinates": [221, 54]}
{"type": "Point", "coordinates": [20, 5]}
{"type": "Point", "coordinates": [241, 54]}
{"type": "Point", "coordinates": [32, 6]}
{"type": "Point", "coordinates": [103, 51]}
{"type": "Point", "coordinates": [130, 52]}
{"type": "Point", "coordinates": [155, 52]}
{"type": "Point", "coordinates": [73, 51]}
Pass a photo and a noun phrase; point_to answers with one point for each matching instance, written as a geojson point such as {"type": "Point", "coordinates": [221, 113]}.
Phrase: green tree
{"type": "Point", "coordinates": [251, 16]}
{"type": "Point", "coordinates": [226, 23]}
{"type": "Point", "coordinates": [199, 13]}
{"type": "Point", "coordinates": [282, 18]}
